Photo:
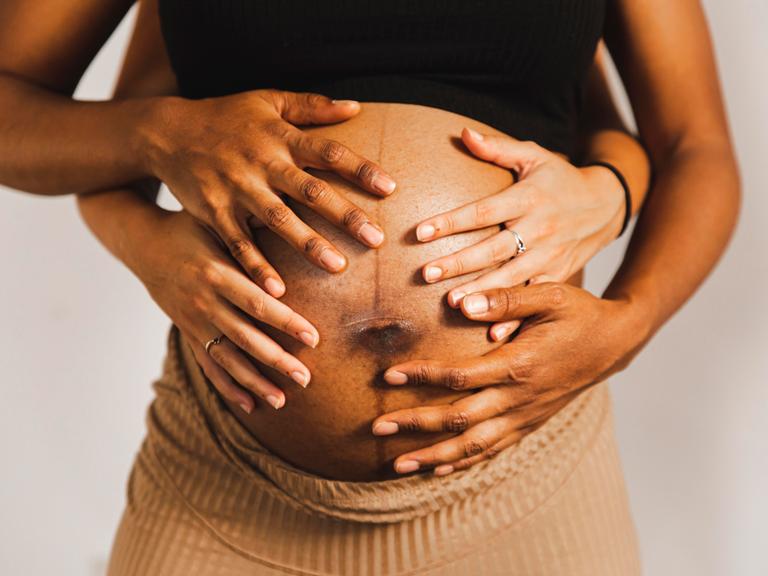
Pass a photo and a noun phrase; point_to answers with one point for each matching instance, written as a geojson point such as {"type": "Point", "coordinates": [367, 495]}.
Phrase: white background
{"type": "Point", "coordinates": [80, 342]}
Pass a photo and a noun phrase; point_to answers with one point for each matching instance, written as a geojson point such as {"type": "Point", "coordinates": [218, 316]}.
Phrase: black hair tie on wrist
{"type": "Point", "coordinates": [624, 185]}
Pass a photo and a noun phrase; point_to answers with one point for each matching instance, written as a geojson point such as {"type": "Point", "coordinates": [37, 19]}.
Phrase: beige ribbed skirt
{"type": "Point", "coordinates": [205, 498]}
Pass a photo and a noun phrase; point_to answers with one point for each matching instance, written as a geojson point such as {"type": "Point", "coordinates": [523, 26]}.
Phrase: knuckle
{"type": "Point", "coordinates": [557, 296]}
{"type": "Point", "coordinates": [475, 446]}
{"type": "Point", "coordinates": [492, 452]}
{"type": "Point", "coordinates": [313, 99]}
{"type": "Point", "coordinates": [456, 379]}
{"type": "Point", "coordinates": [366, 171]}
{"type": "Point", "coordinates": [519, 368]}
{"type": "Point", "coordinates": [411, 423]}
{"type": "Point", "coordinates": [498, 253]}
{"type": "Point", "coordinates": [353, 218]}
{"type": "Point", "coordinates": [276, 216]}
{"type": "Point", "coordinates": [483, 213]}
{"type": "Point", "coordinates": [422, 375]}
{"type": "Point", "coordinates": [210, 274]}
{"type": "Point", "coordinates": [259, 272]}
{"type": "Point", "coordinates": [313, 245]}
{"type": "Point", "coordinates": [257, 306]}
{"type": "Point", "coordinates": [455, 422]}
{"type": "Point", "coordinates": [199, 304]}
{"type": "Point", "coordinates": [332, 152]}
{"type": "Point", "coordinates": [314, 191]}
{"type": "Point", "coordinates": [239, 246]}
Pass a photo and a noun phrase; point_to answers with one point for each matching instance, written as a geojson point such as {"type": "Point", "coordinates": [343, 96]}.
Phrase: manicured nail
{"type": "Point", "coordinates": [385, 428]}
{"type": "Point", "coordinates": [476, 304]}
{"type": "Point", "coordinates": [300, 378]}
{"type": "Point", "coordinates": [350, 103]}
{"type": "Point", "coordinates": [274, 287]}
{"type": "Point", "coordinates": [332, 260]}
{"type": "Point", "coordinates": [425, 232]}
{"type": "Point", "coordinates": [275, 401]}
{"type": "Point", "coordinates": [406, 466]}
{"type": "Point", "coordinates": [384, 184]}
{"type": "Point", "coordinates": [371, 234]}
{"type": "Point", "coordinates": [432, 273]}
{"type": "Point", "coordinates": [475, 135]}
{"type": "Point", "coordinates": [395, 377]}
{"type": "Point", "coordinates": [443, 470]}
{"type": "Point", "coordinates": [454, 298]}
{"type": "Point", "coordinates": [308, 338]}
{"type": "Point", "coordinates": [246, 408]}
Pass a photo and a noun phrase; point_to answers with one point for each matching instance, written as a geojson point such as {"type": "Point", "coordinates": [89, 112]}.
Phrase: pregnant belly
{"type": "Point", "coordinates": [379, 311]}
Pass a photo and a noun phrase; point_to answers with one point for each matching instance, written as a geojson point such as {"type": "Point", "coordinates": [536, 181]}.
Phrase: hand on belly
{"type": "Point", "coordinates": [379, 311]}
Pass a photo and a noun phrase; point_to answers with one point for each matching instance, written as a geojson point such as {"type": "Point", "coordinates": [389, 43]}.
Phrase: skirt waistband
{"type": "Point", "coordinates": [546, 456]}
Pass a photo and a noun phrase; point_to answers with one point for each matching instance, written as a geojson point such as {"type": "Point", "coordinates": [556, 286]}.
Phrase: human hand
{"type": "Point", "coordinates": [204, 292]}
{"type": "Point", "coordinates": [564, 215]}
{"type": "Point", "coordinates": [569, 341]}
{"type": "Point", "coordinates": [228, 160]}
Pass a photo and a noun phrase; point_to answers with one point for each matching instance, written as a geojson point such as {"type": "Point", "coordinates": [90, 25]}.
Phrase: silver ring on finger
{"type": "Point", "coordinates": [213, 342]}
{"type": "Point", "coordinates": [521, 248]}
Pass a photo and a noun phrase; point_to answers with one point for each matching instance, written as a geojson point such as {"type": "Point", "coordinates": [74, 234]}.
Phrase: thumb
{"type": "Point", "coordinates": [504, 151]}
{"type": "Point", "coordinates": [504, 304]}
{"type": "Point", "coordinates": [301, 108]}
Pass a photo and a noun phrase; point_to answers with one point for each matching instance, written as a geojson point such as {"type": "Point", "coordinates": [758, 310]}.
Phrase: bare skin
{"type": "Point", "coordinates": [696, 143]}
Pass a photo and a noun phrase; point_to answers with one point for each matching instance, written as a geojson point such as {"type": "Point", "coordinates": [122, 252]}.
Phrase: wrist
{"type": "Point", "coordinates": [610, 194]}
{"type": "Point", "coordinates": [635, 320]}
{"type": "Point", "coordinates": [151, 137]}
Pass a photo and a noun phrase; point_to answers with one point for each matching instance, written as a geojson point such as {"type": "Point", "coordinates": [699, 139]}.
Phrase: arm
{"type": "Point", "coordinates": [227, 160]}
{"type": "Point", "coordinates": [570, 339]}
{"type": "Point", "coordinates": [183, 267]}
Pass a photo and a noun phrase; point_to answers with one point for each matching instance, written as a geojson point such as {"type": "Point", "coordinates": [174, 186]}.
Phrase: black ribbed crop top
{"type": "Point", "coordinates": [518, 65]}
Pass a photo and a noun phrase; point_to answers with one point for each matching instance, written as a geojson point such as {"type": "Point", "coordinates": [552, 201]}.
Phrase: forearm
{"type": "Point", "coordinates": [51, 144]}
{"type": "Point", "coordinates": [121, 220]}
{"type": "Point", "coordinates": [681, 232]}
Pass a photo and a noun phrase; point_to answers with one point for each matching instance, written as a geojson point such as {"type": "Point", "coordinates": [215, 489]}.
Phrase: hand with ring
{"type": "Point", "coordinates": [553, 220]}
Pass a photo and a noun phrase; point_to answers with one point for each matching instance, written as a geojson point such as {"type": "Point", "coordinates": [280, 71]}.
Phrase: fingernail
{"type": "Point", "coordinates": [443, 470]}
{"type": "Point", "coordinates": [351, 103]}
{"type": "Point", "coordinates": [384, 184]}
{"type": "Point", "coordinates": [475, 135]}
{"type": "Point", "coordinates": [395, 377]}
{"type": "Point", "coordinates": [454, 298]}
{"type": "Point", "coordinates": [332, 260]}
{"type": "Point", "coordinates": [274, 287]}
{"type": "Point", "coordinates": [425, 232]}
{"type": "Point", "coordinates": [300, 377]}
{"type": "Point", "coordinates": [476, 304]}
{"type": "Point", "coordinates": [406, 466]}
{"type": "Point", "coordinates": [308, 338]}
{"type": "Point", "coordinates": [246, 408]}
{"type": "Point", "coordinates": [432, 273]}
{"type": "Point", "coordinates": [371, 234]}
{"type": "Point", "coordinates": [385, 428]}
{"type": "Point", "coordinates": [275, 401]}
{"type": "Point", "coordinates": [498, 332]}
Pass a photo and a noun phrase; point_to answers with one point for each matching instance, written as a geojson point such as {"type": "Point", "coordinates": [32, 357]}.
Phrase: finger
{"type": "Point", "coordinates": [258, 345]}
{"type": "Point", "coordinates": [455, 417]}
{"type": "Point", "coordinates": [480, 439]}
{"type": "Point", "coordinates": [233, 361]}
{"type": "Point", "coordinates": [489, 252]}
{"type": "Point", "coordinates": [512, 273]}
{"type": "Point", "coordinates": [517, 302]}
{"type": "Point", "coordinates": [325, 154]}
{"type": "Point", "coordinates": [504, 151]}
{"type": "Point", "coordinates": [506, 205]}
{"type": "Point", "coordinates": [256, 303]}
{"type": "Point", "coordinates": [309, 108]}
{"type": "Point", "coordinates": [323, 199]}
{"type": "Point", "coordinates": [238, 241]}
{"type": "Point", "coordinates": [493, 451]}
{"type": "Point", "coordinates": [284, 222]}
{"type": "Point", "coordinates": [503, 330]}
{"type": "Point", "coordinates": [220, 379]}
